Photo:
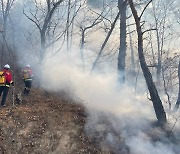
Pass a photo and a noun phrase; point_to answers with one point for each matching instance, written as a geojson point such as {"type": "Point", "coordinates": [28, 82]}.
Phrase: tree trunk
{"type": "Point", "coordinates": [105, 41]}
{"type": "Point", "coordinates": [43, 46]}
{"type": "Point", "coordinates": [67, 26]}
{"type": "Point", "coordinates": [51, 7]}
{"type": "Point", "coordinates": [178, 100]}
{"type": "Point", "coordinates": [72, 28]}
{"type": "Point", "coordinates": [82, 48]}
{"type": "Point", "coordinates": [122, 49]}
{"type": "Point", "coordinates": [157, 104]}
{"type": "Point", "coordinates": [158, 67]}
{"type": "Point", "coordinates": [132, 66]}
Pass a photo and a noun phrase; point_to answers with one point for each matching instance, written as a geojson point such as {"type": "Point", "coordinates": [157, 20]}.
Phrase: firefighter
{"type": "Point", "coordinates": [5, 82]}
{"type": "Point", "coordinates": [27, 78]}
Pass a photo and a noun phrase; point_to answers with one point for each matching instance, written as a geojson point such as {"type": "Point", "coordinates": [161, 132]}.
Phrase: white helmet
{"type": "Point", "coordinates": [7, 66]}
{"type": "Point", "coordinates": [27, 65]}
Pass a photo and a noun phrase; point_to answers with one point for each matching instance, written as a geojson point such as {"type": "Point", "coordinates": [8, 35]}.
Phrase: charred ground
{"type": "Point", "coordinates": [54, 123]}
{"type": "Point", "coordinates": [47, 123]}
{"type": "Point", "coordinates": [44, 123]}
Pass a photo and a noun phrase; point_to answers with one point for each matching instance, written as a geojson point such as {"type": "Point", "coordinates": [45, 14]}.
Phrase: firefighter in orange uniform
{"type": "Point", "coordinates": [27, 77]}
{"type": "Point", "coordinates": [5, 82]}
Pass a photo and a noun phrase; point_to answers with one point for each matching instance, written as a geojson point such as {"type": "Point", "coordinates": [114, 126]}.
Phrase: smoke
{"type": "Point", "coordinates": [141, 144]}
{"type": "Point", "coordinates": [116, 114]}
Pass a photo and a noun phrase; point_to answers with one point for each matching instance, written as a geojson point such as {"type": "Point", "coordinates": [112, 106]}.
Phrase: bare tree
{"type": "Point", "coordinates": [160, 25]}
{"type": "Point", "coordinates": [5, 8]}
{"type": "Point", "coordinates": [157, 103]}
{"type": "Point", "coordinates": [89, 23]}
{"type": "Point", "coordinates": [6, 50]}
{"type": "Point", "coordinates": [122, 4]}
{"type": "Point", "coordinates": [105, 41]}
{"type": "Point", "coordinates": [43, 24]}
{"type": "Point", "coordinates": [83, 32]}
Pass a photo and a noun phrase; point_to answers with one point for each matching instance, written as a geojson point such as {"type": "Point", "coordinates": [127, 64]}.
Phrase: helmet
{"type": "Point", "coordinates": [27, 65]}
{"type": "Point", "coordinates": [7, 66]}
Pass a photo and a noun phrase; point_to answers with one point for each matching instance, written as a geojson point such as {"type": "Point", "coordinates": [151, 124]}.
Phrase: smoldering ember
{"type": "Point", "coordinates": [89, 77]}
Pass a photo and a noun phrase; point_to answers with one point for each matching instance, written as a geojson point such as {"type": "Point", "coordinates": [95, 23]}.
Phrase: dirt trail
{"type": "Point", "coordinates": [44, 123]}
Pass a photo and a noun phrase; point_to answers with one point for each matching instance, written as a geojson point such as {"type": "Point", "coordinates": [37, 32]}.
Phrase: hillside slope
{"type": "Point", "coordinates": [54, 123]}
{"type": "Point", "coordinates": [44, 123]}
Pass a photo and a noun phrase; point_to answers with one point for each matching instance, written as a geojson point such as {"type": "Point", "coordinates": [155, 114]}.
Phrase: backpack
{"type": "Point", "coordinates": [2, 78]}
{"type": "Point", "coordinates": [26, 74]}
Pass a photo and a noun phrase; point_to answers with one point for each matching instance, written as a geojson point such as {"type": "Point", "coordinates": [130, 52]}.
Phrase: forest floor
{"type": "Point", "coordinates": [54, 123]}
{"type": "Point", "coordinates": [44, 123]}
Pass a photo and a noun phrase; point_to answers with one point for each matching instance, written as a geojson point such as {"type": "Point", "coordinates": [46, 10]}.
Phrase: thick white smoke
{"type": "Point", "coordinates": [99, 92]}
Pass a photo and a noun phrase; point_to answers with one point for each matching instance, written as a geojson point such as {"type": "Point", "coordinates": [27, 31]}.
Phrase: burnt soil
{"type": "Point", "coordinates": [54, 123]}
{"type": "Point", "coordinates": [44, 123]}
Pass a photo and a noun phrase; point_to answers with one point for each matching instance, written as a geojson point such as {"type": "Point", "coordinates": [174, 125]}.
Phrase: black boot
{"type": "Point", "coordinates": [25, 91]}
